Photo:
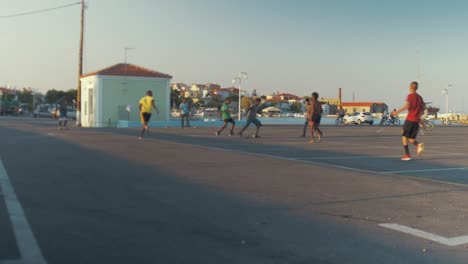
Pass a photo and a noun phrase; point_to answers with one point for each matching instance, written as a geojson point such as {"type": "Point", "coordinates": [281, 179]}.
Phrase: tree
{"type": "Point", "coordinates": [216, 101]}
{"type": "Point", "coordinates": [246, 102]}
{"type": "Point", "coordinates": [176, 98]}
{"type": "Point", "coordinates": [71, 95]}
{"type": "Point", "coordinates": [25, 96]}
{"type": "Point", "coordinates": [296, 107]}
{"type": "Point", "coordinates": [52, 96]}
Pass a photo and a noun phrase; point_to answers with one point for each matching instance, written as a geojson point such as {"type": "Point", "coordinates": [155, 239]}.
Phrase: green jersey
{"type": "Point", "coordinates": [225, 113]}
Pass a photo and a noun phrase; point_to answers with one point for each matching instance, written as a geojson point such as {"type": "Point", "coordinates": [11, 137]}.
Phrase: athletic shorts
{"type": "Point", "coordinates": [410, 129]}
{"type": "Point", "coordinates": [229, 120]}
{"type": "Point", "coordinates": [145, 117]}
{"type": "Point", "coordinates": [316, 119]}
{"type": "Point", "coordinates": [256, 122]}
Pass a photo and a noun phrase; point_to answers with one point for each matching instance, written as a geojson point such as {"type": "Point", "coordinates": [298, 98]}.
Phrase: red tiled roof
{"type": "Point", "coordinates": [365, 104]}
{"type": "Point", "coordinates": [278, 100]}
{"type": "Point", "coordinates": [131, 70]}
{"type": "Point", "coordinates": [6, 90]}
{"type": "Point", "coordinates": [287, 95]}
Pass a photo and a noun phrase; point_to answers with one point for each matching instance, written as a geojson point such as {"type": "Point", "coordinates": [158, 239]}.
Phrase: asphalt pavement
{"type": "Point", "coordinates": [186, 196]}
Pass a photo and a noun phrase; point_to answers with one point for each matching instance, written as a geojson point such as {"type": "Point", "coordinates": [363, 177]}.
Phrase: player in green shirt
{"type": "Point", "coordinates": [226, 116]}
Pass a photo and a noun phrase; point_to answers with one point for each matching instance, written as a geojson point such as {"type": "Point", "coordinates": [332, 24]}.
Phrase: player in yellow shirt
{"type": "Point", "coordinates": [146, 105]}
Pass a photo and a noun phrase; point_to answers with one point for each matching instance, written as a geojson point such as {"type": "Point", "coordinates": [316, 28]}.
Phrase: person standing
{"type": "Point", "coordinates": [184, 113]}
{"type": "Point", "coordinates": [341, 114]}
{"type": "Point", "coordinates": [415, 106]}
{"type": "Point", "coordinates": [306, 123]}
{"type": "Point", "coordinates": [226, 116]}
{"type": "Point", "coordinates": [252, 118]}
{"type": "Point", "coordinates": [315, 115]}
{"type": "Point", "coordinates": [63, 115]}
{"type": "Point", "coordinates": [145, 105]}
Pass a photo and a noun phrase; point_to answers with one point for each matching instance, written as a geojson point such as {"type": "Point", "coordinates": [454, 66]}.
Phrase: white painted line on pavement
{"type": "Point", "coordinates": [309, 162]}
{"type": "Point", "coordinates": [27, 243]}
{"type": "Point", "coordinates": [426, 170]}
{"type": "Point", "coordinates": [455, 241]}
{"type": "Point", "coordinates": [374, 157]}
{"type": "Point", "coordinates": [271, 156]}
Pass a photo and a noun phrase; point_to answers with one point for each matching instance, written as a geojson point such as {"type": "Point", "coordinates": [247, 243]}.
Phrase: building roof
{"type": "Point", "coordinates": [277, 100]}
{"type": "Point", "coordinates": [365, 104]}
{"type": "Point", "coordinates": [6, 90]}
{"type": "Point", "coordinates": [287, 95]}
{"type": "Point", "coordinates": [130, 70]}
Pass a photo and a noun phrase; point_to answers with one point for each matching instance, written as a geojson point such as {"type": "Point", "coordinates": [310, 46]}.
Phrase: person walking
{"type": "Point", "coordinates": [184, 113]}
{"type": "Point", "coordinates": [146, 105]}
{"type": "Point", "coordinates": [62, 115]}
{"type": "Point", "coordinates": [252, 118]}
{"type": "Point", "coordinates": [226, 116]}
{"type": "Point", "coordinates": [306, 123]}
{"type": "Point", "coordinates": [315, 116]}
{"type": "Point", "coordinates": [415, 107]}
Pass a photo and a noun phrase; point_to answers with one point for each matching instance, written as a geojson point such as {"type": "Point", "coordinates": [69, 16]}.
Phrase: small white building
{"type": "Point", "coordinates": [107, 93]}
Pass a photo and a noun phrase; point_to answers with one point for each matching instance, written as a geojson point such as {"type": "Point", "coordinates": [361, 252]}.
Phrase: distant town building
{"type": "Point", "coordinates": [225, 92]}
{"type": "Point", "coordinates": [331, 101]}
{"type": "Point", "coordinates": [284, 105]}
{"type": "Point", "coordinates": [180, 87]}
{"type": "Point", "coordinates": [371, 107]}
{"type": "Point", "coordinates": [107, 93]}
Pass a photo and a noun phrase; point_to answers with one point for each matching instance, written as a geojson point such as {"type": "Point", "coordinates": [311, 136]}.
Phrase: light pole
{"type": "Point", "coordinates": [446, 93]}
{"type": "Point", "coordinates": [242, 76]}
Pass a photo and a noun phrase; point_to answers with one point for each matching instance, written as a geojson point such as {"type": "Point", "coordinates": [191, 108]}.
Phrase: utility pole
{"type": "Point", "coordinates": [80, 67]}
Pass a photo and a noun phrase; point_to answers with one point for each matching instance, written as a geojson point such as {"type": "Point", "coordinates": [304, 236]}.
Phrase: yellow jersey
{"type": "Point", "coordinates": [146, 104]}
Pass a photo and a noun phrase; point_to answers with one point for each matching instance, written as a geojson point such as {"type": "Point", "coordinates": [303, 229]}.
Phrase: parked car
{"type": "Point", "coordinates": [44, 110]}
{"type": "Point", "coordinates": [71, 112]}
{"type": "Point", "coordinates": [359, 118]}
{"type": "Point", "coordinates": [9, 110]}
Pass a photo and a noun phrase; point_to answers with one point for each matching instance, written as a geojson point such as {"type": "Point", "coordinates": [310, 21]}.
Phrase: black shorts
{"type": "Point", "coordinates": [410, 129]}
{"type": "Point", "coordinates": [255, 121]}
{"type": "Point", "coordinates": [316, 119]}
{"type": "Point", "coordinates": [145, 117]}
{"type": "Point", "coordinates": [229, 120]}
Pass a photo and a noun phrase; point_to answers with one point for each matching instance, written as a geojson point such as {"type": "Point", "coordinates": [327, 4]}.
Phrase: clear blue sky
{"type": "Point", "coordinates": [298, 46]}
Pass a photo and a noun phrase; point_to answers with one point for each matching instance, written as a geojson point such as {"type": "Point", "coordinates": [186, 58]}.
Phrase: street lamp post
{"type": "Point", "coordinates": [242, 76]}
{"type": "Point", "coordinates": [446, 93]}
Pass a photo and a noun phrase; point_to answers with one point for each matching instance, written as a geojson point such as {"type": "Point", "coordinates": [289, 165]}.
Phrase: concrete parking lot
{"type": "Point", "coordinates": [186, 196]}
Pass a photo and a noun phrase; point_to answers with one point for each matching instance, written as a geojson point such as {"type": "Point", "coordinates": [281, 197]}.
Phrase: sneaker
{"type": "Point", "coordinates": [231, 134]}
{"type": "Point", "coordinates": [218, 133]}
{"type": "Point", "coordinates": [140, 138]}
{"type": "Point", "coordinates": [420, 149]}
{"type": "Point", "coordinates": [406, 157]}
{"type": "Point", "coordinates": [256, 136]}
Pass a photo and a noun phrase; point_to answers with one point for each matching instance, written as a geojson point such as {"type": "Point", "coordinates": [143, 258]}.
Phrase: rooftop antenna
{"type": "Point", "coordinates": [126, 53]}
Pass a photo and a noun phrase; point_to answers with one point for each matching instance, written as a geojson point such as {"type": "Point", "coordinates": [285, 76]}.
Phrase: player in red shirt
{"type": "Point", "coordinates": [415, 106]}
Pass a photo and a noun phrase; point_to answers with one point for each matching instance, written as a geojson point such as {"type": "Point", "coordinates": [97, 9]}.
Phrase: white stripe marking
{"type": "Point", "coordinates": [455, 241]}
{"type": "Point", "coordinates": [27, 243]}
{"type": "Point", "coordinates": [427, 170]}
{"type": "Point", "coordinates": [374, 157]}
